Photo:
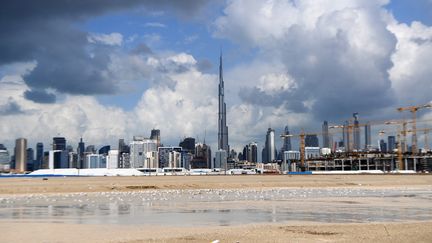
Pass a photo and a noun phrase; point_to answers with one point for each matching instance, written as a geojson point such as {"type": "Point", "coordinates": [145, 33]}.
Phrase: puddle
{"type": "Point", "coordinates": [222, 207]}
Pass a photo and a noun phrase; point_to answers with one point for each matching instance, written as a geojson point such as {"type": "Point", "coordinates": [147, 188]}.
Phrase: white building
{"type": "Point", "coordinates": [112, 159]}
{"type": "Point", "coordinates": [152, 160]}
{"type": "Point", "coordinates": [174, 159]}
{"type": "Point", "coordinates": [325, 151]}
{"type": "Point", "coordinates": [291, 155]}
{"type": "Point", "coordinates": [312, 152]}
{"type": "Point", "coordinates": [138, 151]}
{"type": "Point", "coordinates": [4, 160]}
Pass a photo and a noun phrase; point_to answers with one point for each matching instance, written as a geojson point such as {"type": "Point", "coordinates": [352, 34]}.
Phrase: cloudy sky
{"type": "Point", "coordinates": [112, 69]}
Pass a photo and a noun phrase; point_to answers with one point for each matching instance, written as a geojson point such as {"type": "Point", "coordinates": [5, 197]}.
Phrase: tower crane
{"type": "Point", "coordinates": [302, 137]}
{"type": "Point", "coordinates": [413, 110]}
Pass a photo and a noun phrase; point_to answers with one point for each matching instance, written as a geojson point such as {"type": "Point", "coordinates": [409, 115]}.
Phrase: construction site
{"type": "Point", "coordinates": [352, 157]}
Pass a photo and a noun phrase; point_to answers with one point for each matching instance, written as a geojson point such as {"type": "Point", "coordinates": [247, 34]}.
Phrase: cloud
{"type": "Point", "coordinates": [335, 54]}
{"type": "Point", "coordinates": [155, 25]}
{"type": "Point", "coordinates": [113, 39]}
{"type": "Point", "coordinates": [47, 33]}
{"type": "Point", "coordinates": [411, 71]}
{"type": "Point", "coordinates": [10, 108]}
{"type": "Point", "coordinates": [40, 96]}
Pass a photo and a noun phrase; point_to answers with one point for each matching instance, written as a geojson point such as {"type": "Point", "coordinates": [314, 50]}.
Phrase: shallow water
{"type": "Point", "coordinates": [222, 207]}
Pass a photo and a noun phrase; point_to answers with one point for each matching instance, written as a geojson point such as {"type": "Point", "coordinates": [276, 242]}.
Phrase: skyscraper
{"type": "Point", "coordinates": [30, 159]}
{"type": "Point", "coordinates": [222, 127]}
{"type": "Point", "coordinates": [325, 134]}
{"type": "Point", "coordinates": [59, 143]}
{"type": "Point", "coordinates": [80, 152]}
{"type": "Point", "coordinates": [383, 146]}
{"type": "Point", "coordinates": [356, 132]}
{"type": "Point", "coordinates": [311, 141]}
{"type": "Point", "coordinates": [39, 156]}
{"type": "Point", "coordinates": [21, 155]}
{"type": "Point", "coordinates": [391, 143]}
{"type": "Point", "coordinates": [270, 149]}
{"type": "Point", "coordinates": [346, 136]}
{"type": "Point", "coordinates": [286, 141]}
{"type": "Point", "coordinates": [155, 135]}
{"type": "Point", "coordinates": [368, 140]}
{"type": "Point", "coordinates": [188, 145]}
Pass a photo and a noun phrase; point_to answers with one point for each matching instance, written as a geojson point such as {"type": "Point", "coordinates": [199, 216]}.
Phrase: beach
{"type": "Point", "coordinates": [357, 208]}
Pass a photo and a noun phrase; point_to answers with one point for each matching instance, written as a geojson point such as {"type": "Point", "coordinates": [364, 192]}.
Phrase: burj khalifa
{"type": "Point", "coordinates": [223, 129]}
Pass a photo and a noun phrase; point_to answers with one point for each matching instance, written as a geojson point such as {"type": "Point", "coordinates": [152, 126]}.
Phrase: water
{"type": "Point", "coordinates": [222, 207]}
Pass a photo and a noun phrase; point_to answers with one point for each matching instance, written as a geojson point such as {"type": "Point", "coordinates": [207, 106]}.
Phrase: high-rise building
{"type": "Point", "coordinates": [90, 149]}
{"type": "Point", "coordinates": [104, 150]}
{"type": "Point", "coordinates": [39, 156]}
{"type": "Point", "coordinates": [383, 146]}
{"type": "Point", "coordinates": [4, 159]}
{"type": "Point", "coordinates": [155, 135]}
{"type": "Point", "coordinates": [250, 152]}
{"type": "Point", "coordinates": [202, 157]}
{"type": "Point", "coordinates": [368, 138]}
{"type": "Point", "coordinates": [164, 155]}
{"type": "Point", "coordinates": [59, 143]}
{"type": "Point", "coordinates": [58, 159]}
{"type": "Point", "coordinates": [311, 140]}
{"type": "Point", "coordinates": [188, 145]}
{"type": "Point", "coordinates": [270, 148]}
{"type": "Point", "coordinates": [391, 143]}
{"type": "Point", "coordinates": [112, 159]}
{"type": "Point", "coordinates": [356, 132]}
{"type": "Point", "coordinates": [286, 146]}
{"type": "Point", "coordinates": [346, 136]}
{"type": "Point", "coordinates": [80, 153]}
{"type": "Point", "coordinates": [21, 155]}
{"type": "Point", "coordinates": [220, 159]}
{"type": "Point", "coordinates": [325, 135]}
{"type": "Point", "coordinates": [30, 159]}
{"type": "Point", "coordinates": [138, 151]}
{"type": "Point", "coordinates": [222, 127]}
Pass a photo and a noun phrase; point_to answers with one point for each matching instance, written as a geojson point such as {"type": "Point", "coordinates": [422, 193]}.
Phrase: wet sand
{"type": "Point", "coordinates": [300, 232]}
{"type": "Point", "coordinates": [101, 184]}
{"type": "Point", "coordinates": [40, 231]}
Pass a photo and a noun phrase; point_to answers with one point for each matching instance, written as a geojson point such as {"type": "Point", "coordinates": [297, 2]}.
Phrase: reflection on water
{"type": "Point", "coordinates": [222, 207]}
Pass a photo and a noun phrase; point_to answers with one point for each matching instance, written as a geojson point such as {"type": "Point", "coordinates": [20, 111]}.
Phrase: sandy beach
{"type": "Point", "coordinates": [100, 184]}
{"type": "Point", "coordinates": [293, 231]}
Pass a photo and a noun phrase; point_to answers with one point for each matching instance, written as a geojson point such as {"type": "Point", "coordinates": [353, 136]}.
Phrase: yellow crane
{"type": "Point", "coordinates": [413, 110]}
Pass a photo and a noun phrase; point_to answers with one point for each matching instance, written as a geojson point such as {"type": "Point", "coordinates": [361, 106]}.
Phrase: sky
{"type": "Point", "coordinates": [104, 70]}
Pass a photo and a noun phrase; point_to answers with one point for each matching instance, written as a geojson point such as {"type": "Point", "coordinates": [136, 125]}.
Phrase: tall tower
{"type": "Point", "coordinates": [155, 134]}
{"type": "Point", "coordinates": [356, 132]}
{"type": "Point", "coordinates": [368, 140]}
{"type": "Point", "coordinates": [222, 127]}
{"type": "Point", "coordinates": [21, 155]}
{"type": "Point", "coordinates": [325, 134]}
{"type": "Point", "coordinates": [286, 141]}
{"type": "Point", "coordinates": [270, 145]}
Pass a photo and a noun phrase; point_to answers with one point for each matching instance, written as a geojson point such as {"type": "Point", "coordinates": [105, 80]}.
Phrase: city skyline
{"type": "Point", "coordinates": [122, 69]}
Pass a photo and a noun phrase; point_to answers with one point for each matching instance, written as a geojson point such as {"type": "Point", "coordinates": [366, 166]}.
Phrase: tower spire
{"type": "Point", "coordinates": [222, 127]}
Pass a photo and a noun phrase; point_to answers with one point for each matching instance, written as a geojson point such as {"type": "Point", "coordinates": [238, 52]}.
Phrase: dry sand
{"type": "Point", "coordinates": [29, 231]}
{"type": "Point", "coordinates": [100, 184]}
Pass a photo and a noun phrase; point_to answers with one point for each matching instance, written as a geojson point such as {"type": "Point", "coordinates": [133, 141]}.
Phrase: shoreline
{"type": "Point", "coordinates": [15, 186]}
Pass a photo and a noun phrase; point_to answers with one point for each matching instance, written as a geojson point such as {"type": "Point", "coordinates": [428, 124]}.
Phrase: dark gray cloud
{"type": "Point", "coordinates": [10, 108]}
{"type": "Point", "coordinates": [40, 96]}
{"type": "Point", "coordinates": [46, 31]}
